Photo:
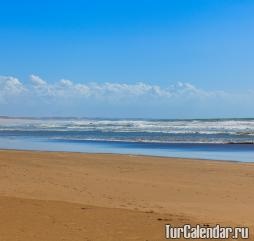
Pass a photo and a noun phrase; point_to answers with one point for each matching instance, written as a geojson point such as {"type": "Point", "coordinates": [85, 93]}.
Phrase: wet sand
{"type": "Point", "coordinates": [74, 196]}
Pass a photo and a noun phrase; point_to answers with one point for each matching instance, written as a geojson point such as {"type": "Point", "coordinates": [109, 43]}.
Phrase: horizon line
{"type": "Point", "coordinates": [118, 118]}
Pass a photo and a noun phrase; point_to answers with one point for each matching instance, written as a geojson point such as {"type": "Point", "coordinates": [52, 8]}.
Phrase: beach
{"type": "Point", "coordinates": [126, 120]}
{"type": "Point", "coordinates": [75, 196]}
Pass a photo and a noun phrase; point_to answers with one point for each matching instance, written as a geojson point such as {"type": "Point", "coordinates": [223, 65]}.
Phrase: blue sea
{"type": "Point", "coordinates": [216, 139]}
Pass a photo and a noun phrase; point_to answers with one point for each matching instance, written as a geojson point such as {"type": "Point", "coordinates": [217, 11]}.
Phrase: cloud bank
{"type": "Point", "coordinates": [11, 86]}
{"type": "Point", "coordinates": [65, 97]}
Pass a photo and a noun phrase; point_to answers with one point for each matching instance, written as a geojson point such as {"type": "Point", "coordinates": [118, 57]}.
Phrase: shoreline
{"type": "Point", "coordinates": [131, 197]}
{"type": "Point", "coordinates": [125, 154]}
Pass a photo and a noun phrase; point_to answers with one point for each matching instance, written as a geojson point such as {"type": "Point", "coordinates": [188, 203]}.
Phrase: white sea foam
{"type": "Point", "coordinates": [210, 131]}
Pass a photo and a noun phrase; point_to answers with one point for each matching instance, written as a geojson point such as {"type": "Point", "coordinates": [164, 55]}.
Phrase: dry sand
{"type": "Point", "coordinates": [96, 197]}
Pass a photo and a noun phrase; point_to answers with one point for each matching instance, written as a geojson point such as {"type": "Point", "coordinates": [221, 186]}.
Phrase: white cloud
{"type": "Point", "coordinates": [110, 90]}
{"type": "Point", "coordinates": [41, 87]}
{"type": "Point", "coordinates": [10, 87]}
{"type": "Point", "coordinates": [66, 83]}
{"type": "Point", "coordinates": [68, 88]}
{"type": "Point", "coordinates": [38, 87]}
{"type": "Point", "coordinates": [37, 81]}
{"type": "Point", "coordinates": [66, 97]}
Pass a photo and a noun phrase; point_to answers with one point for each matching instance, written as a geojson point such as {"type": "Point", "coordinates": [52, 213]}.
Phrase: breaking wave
{"type": "Point", "coordinates": [154, 131]}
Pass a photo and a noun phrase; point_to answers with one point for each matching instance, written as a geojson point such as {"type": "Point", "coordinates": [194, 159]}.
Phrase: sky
{"type": "Point", "coordinates": [127, 59]}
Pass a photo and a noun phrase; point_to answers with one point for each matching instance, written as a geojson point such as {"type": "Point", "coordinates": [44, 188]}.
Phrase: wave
{"type": "Point", "coordinates": [102, 130]}
{"type": "Point", "coordinates": [167, 131]}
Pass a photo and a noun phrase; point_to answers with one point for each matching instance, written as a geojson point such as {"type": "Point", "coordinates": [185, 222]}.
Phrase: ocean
{"type": "Point", "coordinates": [217, 139]}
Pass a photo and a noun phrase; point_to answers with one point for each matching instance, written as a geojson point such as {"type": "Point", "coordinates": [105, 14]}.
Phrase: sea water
{"type": "Point", "coordinates": [218, 139]}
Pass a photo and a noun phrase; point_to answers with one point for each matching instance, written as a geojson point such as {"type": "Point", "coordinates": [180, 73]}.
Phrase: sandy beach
{"type": "Point", "coordinates": [74, 196]}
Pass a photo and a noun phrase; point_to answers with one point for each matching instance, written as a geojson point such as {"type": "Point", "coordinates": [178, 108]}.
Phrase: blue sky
{"type": "Point", "coordinates": [160, 59]}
